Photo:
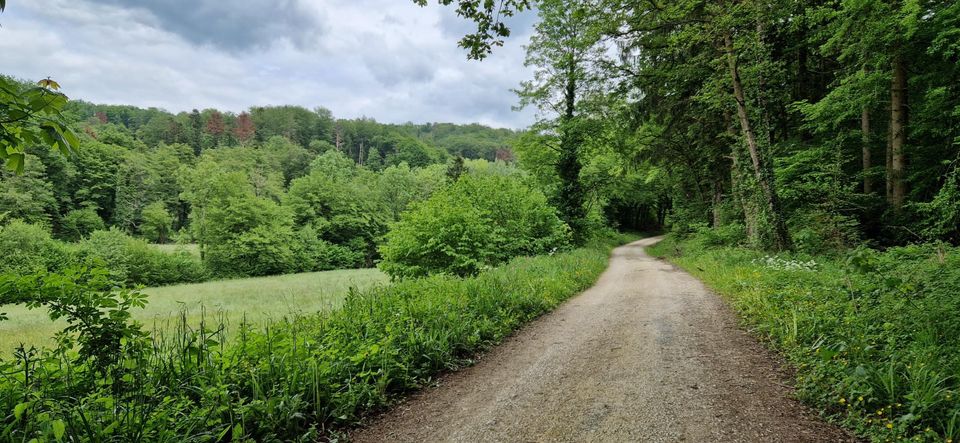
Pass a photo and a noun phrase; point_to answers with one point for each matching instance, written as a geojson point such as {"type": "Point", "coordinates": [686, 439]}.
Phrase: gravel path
{"type": "Point", "coordinates": [647, 354]}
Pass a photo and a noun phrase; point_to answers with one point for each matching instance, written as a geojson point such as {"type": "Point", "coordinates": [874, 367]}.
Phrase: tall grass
{"type": "Point", "coordinates": [257, 299]}
{"type": "Point", "coordinates": [875, 336]}
{"type": "Point", "coordinates": [293, 380]}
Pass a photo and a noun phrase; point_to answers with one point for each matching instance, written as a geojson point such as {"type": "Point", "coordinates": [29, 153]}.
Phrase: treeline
{"type": "Point", "coordinates": [276, 190]}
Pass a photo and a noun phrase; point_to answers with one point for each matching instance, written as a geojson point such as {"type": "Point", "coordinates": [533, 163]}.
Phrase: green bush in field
{"type": "Point", "coordinates": [135, 261]}
{"type": "Point", "coordinates": [875, 336]}
{"type": "Point", "coordinates": [479, 221]}
{"type": "Point", "coordinates": [315, 254]}
{"type": "Point", "coordinates": [27, 248]}
{"type": "Point", "coordinates": [292, 381]}
{"type": "Point", "coordinates": [79, 223]}
{"type": "Point", "coordinates": [250, 236]}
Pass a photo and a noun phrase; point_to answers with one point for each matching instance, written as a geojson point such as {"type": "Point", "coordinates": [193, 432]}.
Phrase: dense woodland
{"type": "Point", "coordinates": [815, 125]}
{"type": "Point", "coordinates": [804, 157]}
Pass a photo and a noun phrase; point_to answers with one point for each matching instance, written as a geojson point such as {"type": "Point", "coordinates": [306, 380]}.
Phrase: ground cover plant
{"type": "Point", "coordinates": [290, 381]}
{"type": "Point", "coordinates": [875, 336]}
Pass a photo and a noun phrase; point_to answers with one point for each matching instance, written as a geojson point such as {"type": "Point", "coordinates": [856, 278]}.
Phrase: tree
{"type": "Point", "coordinates": [244, 129]}
{"type": "Point", "coordinates": [196, 131]}
{"type": "Point", "coordinates": [488, 16]}
{"type": "Point", "coordinates": [80, 223]}
{"type": "Point", "coordinates": [215, 127]}
{"type": "Point", "coordinates": [27, 196]}
{"type": "Point", "coordinates": [156, 223]}
{"type": "Point", "coordinates": [562, 52]}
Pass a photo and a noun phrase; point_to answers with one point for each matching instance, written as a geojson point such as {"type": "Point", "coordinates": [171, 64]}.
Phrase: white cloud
{"type": "Point", "coordinates": [386, 59]}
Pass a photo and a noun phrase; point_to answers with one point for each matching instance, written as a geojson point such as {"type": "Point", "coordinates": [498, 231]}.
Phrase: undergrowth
{"type": "Point", "coordinates": [875, 336]}
{"type": "Point", "coordinates": [296, 380]}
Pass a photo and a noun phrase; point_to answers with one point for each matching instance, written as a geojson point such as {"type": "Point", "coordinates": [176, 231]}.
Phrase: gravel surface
{"type": "Point", "coordinates": [647, 354]}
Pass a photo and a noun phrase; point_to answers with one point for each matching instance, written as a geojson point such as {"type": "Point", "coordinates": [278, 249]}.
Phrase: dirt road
{"type": "Point", "coordinates": [647, 354]}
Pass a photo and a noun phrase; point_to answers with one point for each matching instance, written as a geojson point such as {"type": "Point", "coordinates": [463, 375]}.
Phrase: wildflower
{"type": "Point", "coordinates": [889, 425]}
{"type": "Point", "coordinates": [842, 400]}
{"type": "Point", "coordinates": [860, 398]}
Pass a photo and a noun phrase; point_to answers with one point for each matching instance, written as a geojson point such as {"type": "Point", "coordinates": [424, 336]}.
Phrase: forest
{"type": "Point", "coordinates": [271, 191]}
{"type": "Point", "coordinates": [802, 159]}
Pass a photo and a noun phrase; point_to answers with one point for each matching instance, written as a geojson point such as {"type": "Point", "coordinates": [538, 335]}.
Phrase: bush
{"type": "Point", "coordinates": [134, 261]}
{"type": "Point", "coordinates": [262, 250]}
{"type": "Point", "coordinates": [478, 222]}
{"type": "Point", "coordinates": [27, 248]}
{"type": "Point", "coordinates": [79, 223]}
{"type": "Point", "coordinates": [250, 236]}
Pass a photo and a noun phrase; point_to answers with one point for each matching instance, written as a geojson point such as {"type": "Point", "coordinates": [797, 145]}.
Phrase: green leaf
{"type": "Point", "coordinates": [19, 409]}
{"type": "Point", "coordinates": [15, 162]}
{"type": "Point", "coordinates": [59, 429]}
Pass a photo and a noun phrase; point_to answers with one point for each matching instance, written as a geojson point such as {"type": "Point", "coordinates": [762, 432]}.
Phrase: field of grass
{"type": "Point", "coordinates": [257, 299]}
{"type": "Point", "coordinates": [192, 248]}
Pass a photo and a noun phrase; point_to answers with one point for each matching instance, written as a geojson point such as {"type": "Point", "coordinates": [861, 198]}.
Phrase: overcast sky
{"type": "Point", "coordinates": [386, 59]}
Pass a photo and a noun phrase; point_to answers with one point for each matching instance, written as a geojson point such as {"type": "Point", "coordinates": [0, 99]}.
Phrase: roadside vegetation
{"type": "Point", "coordinates": [873, 334]}
{"type": "Point", "coordinates": [292, 380]}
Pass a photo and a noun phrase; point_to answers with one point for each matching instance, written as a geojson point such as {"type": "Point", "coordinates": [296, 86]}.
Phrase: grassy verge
{"type": "Point", "coordinates": [875, 336]}
{"type": "Point", "coordinates": [254, 299]}
{"type": "Point", "coordinates": [297, 379]}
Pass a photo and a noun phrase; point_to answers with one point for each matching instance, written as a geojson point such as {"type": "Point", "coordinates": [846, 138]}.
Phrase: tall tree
{"type": "Point", "coordinates": [564, 52]}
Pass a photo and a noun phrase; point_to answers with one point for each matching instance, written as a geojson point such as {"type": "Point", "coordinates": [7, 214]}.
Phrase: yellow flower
{"type": "Point", "coordinates": [843, 400]}
{"type": "Point", "coordinates": [860, 398]}
{"type": "Point", "coordinates": [889, 425]}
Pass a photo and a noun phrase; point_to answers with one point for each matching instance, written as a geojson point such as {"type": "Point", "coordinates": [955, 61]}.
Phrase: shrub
{"type": "Point", "coordinates": [27, 248]}
{"type": "Point", "coordinates": [477, 222]}
{"type": "Point", "coordinates": [250, 236]}
{"type": "Point", "coordinates": [262, 250]}
{"type": "Point", "coordinates": [79, 223]}
{"type": "Point", "coordinates": [134, 261]}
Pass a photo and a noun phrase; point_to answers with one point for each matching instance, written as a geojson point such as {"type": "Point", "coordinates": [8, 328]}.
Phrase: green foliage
{"type": "Point", "coordinates": [292, 381]}
{"type": "Point", "coordinates": [134, 261]}
{"type": "Point", "coordinates": [32, 116]}
{"type": "Point", "coordinates": [28, 248]}
{"type": "Point", "coordinates": [477, 222]}
{"type": "Point", "coordinates": [873, 334]}
{"type": "Point", "coordinates": [96, 311]}
{"type": "Point", "coordinates": [488, 17]}
{"type": "Point", "coordinates": [28, 195]}
{"type": "Point", "coordinates": [80, 223]}
{"type": "Point", "coordinates": [157, 222]}
{"type": "Point", "coordinates": [249, 236]}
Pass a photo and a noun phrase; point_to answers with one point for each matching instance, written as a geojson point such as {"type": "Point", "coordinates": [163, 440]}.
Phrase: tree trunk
{"type": "Point", "coordinates": [898, 131]}
{"type": "Point", "coordinates": [717, 202]}
{"type": "Point", "coordinates": [865, 134]}
{"type": "Point", "coordinates": [568, 165]}
{"type": "Point", "coordinates": [780, 235]}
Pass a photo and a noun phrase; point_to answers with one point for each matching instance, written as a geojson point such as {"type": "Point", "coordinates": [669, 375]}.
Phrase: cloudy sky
{"type": "Point", "coordinates": [386, 59]}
